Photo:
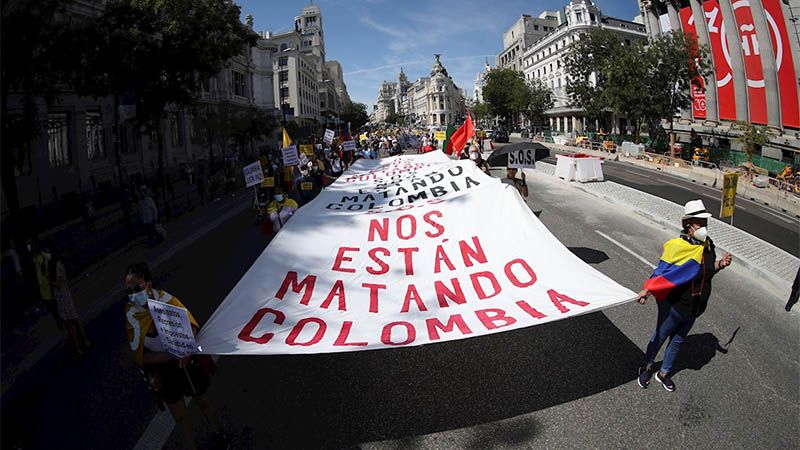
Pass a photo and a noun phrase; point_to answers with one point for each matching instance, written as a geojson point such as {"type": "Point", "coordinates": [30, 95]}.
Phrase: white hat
{"type": "Point", "coordinates": [695, 209]}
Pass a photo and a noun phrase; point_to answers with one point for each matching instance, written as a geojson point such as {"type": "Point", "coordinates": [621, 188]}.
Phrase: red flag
{"type": "Point", "coordinates": [459, 139]}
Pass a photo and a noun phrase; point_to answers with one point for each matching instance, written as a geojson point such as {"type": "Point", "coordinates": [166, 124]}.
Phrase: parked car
{"type": "Point", "coordinates": [500, 136]}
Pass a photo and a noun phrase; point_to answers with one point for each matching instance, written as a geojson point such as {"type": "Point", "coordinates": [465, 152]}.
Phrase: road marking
{"type": "Point", "coordinates": [631, 252]}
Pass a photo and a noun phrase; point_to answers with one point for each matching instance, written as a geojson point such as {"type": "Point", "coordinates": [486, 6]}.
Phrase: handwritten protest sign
{"type": "Point", "coordinates": [174, 328]}
{"type": "Point", "coordinates": [290, 157]}
{"type": "Point", "coordinates": [253, 174]}
{"type": "Point", "coordinates": [328, 137]}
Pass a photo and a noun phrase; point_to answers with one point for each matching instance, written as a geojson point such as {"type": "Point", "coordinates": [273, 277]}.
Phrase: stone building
{"type": "Point", "coordinates": [435, 101]}
{"type": "Point", "coordinates": [522, 34]}
{"type": "Point", "coordinates": [544, 60]}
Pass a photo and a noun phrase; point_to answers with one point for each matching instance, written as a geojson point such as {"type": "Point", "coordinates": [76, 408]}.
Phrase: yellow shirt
{"type": "Point", "coordinates": [139, 321]}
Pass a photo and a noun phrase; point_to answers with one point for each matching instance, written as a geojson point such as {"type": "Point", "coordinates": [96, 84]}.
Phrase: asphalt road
{"type": "Point", "coordinates": [565, 384]}
{"type": "Point", "coordinates": [775, 227]}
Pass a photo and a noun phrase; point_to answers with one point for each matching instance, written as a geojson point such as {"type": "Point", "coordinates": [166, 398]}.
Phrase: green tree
{"type": "Point", "coordinates": [586, 63]}
{"type": "Point", "coordinates": [393, 118]}
{"type": "Point", "coordinates": [506, 92]}
{"type": "Point", "coordinates": [354, 113]}
{"type": "Point", "coordinates": [753, 137]}
{"type": "Point", "coordinates": [482, 112]}
{"type": "Point", "coordinates": [538, 99]}
{"type": "Point", "coordinates": [627, 90]}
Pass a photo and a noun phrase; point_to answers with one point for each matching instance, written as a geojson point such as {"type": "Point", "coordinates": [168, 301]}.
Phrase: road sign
{"type": "Point", "coordinates": [729, 182]}
{"type": "Point", "coordinates": [290, 156]}
{"type": "Point", "coordinates": [328, 138]}
{"type": "Point", "coordinates": [253, 174]}
{"type": "Point", "coordinates": [522, 159]}
{"type": "Point", "coordinates": [174, 328]}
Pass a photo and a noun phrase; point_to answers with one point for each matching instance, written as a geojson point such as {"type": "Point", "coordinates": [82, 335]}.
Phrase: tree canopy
{"type": "Point", "coordinates": [508, 93]}
{"type": "Point", "coordinates": [355, 113]}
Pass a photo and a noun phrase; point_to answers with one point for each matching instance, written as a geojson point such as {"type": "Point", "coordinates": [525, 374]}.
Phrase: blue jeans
{"type": "Point", "coordinates": [671, 324]}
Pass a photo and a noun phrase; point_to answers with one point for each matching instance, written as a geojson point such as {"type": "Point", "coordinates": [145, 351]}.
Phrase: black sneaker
{"type": "Point", "coordinates": [644, 377]}
{"type": "Point", "coordinates": [666, 381]}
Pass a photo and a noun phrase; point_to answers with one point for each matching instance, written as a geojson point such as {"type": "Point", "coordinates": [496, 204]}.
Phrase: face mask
{"type": "Point", "coordinates": [304, 173]}
{"type": "Point", "coordinates": [700, 234]}
{"type": "Point", "coordinates": [278, 197]}
{"type": "Point", "coordinates": [473, 156]}
{"type": "Point", "coordinates": [139, 298]}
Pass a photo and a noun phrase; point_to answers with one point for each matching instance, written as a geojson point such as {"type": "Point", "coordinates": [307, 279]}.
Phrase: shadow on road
{"type": "Point", "coordinates": [699, 349]}
{"type": "Point", "coordinates": [589, 255]}
{"type": "Point", "coordinates": [340, 400]}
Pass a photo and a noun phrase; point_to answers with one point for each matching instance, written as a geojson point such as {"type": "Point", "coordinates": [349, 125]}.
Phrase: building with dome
{"type": "Point", "coordinates": [432, 102]}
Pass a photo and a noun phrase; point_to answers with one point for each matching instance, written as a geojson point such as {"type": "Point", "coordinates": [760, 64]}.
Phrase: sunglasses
{"type": "Point", "coordinates": [135, 289]}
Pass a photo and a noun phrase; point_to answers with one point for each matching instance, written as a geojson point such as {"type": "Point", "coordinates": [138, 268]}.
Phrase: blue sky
{"type": "Point", "coordinates": [372, 39]}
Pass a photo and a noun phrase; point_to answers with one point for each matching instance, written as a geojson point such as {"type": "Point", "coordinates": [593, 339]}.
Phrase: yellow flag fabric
{"type": "Point", "coordinates": [287, 141]}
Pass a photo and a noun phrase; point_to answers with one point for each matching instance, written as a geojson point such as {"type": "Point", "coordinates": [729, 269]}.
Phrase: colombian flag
{"type": "Point", "coordinates": [680, 263]}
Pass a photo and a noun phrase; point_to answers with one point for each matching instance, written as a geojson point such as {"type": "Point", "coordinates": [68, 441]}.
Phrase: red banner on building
{"type": "Point", "coordinates": [726, 96]}
{"type": "Point", "coordinates": [751, 51]}
{"type": "Point", "coordinates": [790, 106]}
{"type": "Point", "coordinates": [698, 84]}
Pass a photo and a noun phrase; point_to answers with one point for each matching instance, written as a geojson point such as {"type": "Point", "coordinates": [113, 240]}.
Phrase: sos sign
{"type": "Point", "coordinates": [522, 159]}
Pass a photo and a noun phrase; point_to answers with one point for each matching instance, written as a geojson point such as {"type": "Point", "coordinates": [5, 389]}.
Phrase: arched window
{"type": "Point", "coordinates": [284, 46]}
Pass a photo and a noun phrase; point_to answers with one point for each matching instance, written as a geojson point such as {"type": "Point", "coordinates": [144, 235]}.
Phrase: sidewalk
{"type": "Point", "coordinates": [99, 287]}
{"type": "Point", "coordinates": [761, 257]}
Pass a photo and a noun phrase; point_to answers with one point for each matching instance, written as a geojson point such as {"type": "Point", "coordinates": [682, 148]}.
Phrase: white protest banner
{"type": "Point", "coordinates": [174, 328]}
{"type": "Point", "coordinates": [393, 254]}
{"type": "Point", "coordinates": [349, 145]}
{"type": "Point", "coordinates": [290, 157]}
{"type": "Point", "coordinates": [253, 174]}
{"type": "Point", "coordinates": [522, 159]}
{"type": "Point", "coordinates": [328, 137]}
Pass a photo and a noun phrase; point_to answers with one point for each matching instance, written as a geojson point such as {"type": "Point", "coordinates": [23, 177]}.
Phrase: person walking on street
{"type": "Point", "coordinates": [520, 184]}
{"type": "Point", "coordinates": [171, 378]}
{"type": "Point", "coordinates": [681, 285]}
{"type": "Point", "coordinates": [280, 209]}
{"type": "Point", "coordinates": [66, 307]}
{"type": "Point", "coordinates": [41, 260]}
{"type": "Point", "coordinates": [148, 214]}
{"type": "Point", "coordinates": [795, 292]}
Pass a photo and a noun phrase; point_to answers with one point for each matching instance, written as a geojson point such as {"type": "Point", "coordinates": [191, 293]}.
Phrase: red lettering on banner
{"type": "Point", "coordinates": [456, 295]}
{"type": "Point", "coordinates": [412, 232]}
{"type": "Point", "coordinates": [533, 312]}
{"type": "Point", "coordinates": [756, 91]}
{"type": "Point", "coordinates": [479, 289]}
{"type": "Point", "coordinates": [340, 258]}
{"type": "Point", "coordinates": [412, 294]}
{"type": "Point", "coordinates": [470, 254]}
{"type": "Point", "coordinates": [386, 334]}
{"type": "Point", "coordinates": [344, 333]}
{"type": "Point", "coordinates": [247, 331]}
{"type": "Point", "coordinates": [434, 325]}
{"type": "Point", "coordinates": [428, 219]}
{"type": "Point", "coordinates": [409, 258]}
{"type": "Point", "coordinates": [337, 290]}
{"type": "Point", "coordinates": [298, 328]}
{"type": "Point", "coordinates": [307, 285]}
{"type": "Point", "coordinates": [489, 316]}
{"type": "Point", "coordinates": [441, 256]}
{"type": "Point", "coordinates": [560, 299]}
{"type": "Point", "coordinates": [724, 75]}
{"type": "Point", "coordinates": [513, 278]}
{"type": "Point", "coordinates": [373, 295]}
{"type": "Point", "coordinates": [784, 62]}
{"type": "Point", "coordinates": [384, 268]}
{"type": "Point", "coordinates": [698, 84]}
{"type": "Point", "coordinates": [382, 230]}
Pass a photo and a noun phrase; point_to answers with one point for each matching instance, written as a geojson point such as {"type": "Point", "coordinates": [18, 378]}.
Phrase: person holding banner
{"type": "Point", "coordinates": [280, 209]}
{"type": "Point", "coordinates": [520, 184]}
{"type": "Point", "coordinates": [681, 285]}
{"type": "Point", "coordinates": [169, 377]}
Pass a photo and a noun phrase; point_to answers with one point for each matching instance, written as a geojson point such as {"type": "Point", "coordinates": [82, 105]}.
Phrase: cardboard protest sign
{"type": "Point", "coordinates": [440, 135]}
{"type": "Point", "coordinates": [290, 157]}
{"type": "Point", "coordinates": [307, 149]}
{"type": "Point", "coordinates": [522, 159]}
{"type": "Point", "coordinates": [328, 137]}
{"type": "Point", "coordinates": [392, 254]}
{"type": "Point", "coordinates": [268, 182]}
{"type": "Point", "coordinates": [174, 328]}
{"type": "Point", "coordinates": [253, 174]}
{"type": "Point", "coordinates": [349, 145]}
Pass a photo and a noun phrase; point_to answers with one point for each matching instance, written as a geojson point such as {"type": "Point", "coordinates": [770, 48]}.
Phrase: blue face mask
{"type": "Point", "coordinates": [139, 298]}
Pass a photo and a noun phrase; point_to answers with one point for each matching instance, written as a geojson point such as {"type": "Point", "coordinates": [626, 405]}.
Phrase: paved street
{"type": "Point", "coordinates": [565, 384]}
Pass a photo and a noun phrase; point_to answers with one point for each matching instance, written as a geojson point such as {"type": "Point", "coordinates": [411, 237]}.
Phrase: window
{"type": "Point", "coordinates": [94, 135]}
{"type": "Point", "coordinates": [238, 84]}
{"type": "Point", "coordinates": [284, 92]}
{"type": "Point", "coordinates": [578, 16]}
{"type": "Point", "coordinates": [591, 17]}
{"type": "Point", "coordinates": [126, 143]}
{"type": "Point", "coordinates": [196, 131]}
{"type": "Point", "coordinates": [58, 139]}
{"type": "Point", "coordinates": [283, 60]}
{"type": "Point", "coordinates": [175, 130]}
{"type": "Point", "coordinates": [283, 75]}
{"type": "Point", "coordinates": [284, 46]}
{"type": "Point", "coordinates": [536, 27]}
